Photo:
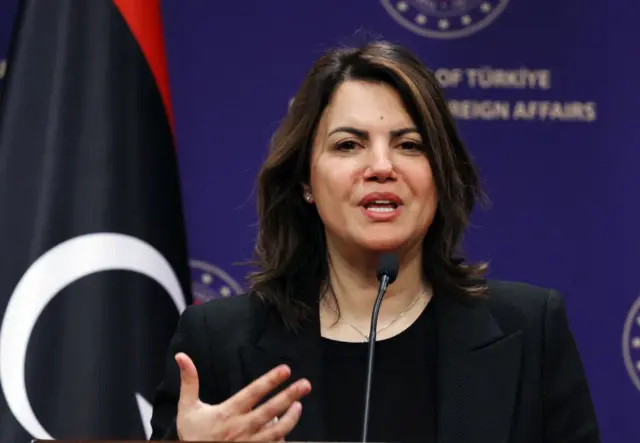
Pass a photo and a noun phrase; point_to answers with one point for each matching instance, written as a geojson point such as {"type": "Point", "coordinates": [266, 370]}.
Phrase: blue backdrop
{"type": "Point", "coordinates": [545, 93]}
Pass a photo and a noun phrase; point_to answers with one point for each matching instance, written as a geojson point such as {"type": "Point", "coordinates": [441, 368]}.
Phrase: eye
{"type": "Point", "coordinates": [347, 145]}
{"type": "Point", "coordinates": [411, 146]}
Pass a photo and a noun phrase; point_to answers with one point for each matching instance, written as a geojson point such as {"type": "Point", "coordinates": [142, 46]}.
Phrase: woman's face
{"type": "Point", "coordinates": [371, 182]}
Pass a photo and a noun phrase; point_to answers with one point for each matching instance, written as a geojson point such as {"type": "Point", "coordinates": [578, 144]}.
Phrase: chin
{"type": "Point", "coordinates": [383, 243]}
{"type": "Point", "coordinates": [382, 238]}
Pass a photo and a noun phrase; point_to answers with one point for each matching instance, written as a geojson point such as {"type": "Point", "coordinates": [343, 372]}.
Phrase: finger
{"type": "Point", "coordinates": [280, 429]}
{"type": "Point", "coordinates": [252, 393]}
{"type": "Point", "coordinates": [189, 384]}
{"type": "Point", "coordinates": [270, 423]}
{"type": "Point", "coordinates": [277, 405]}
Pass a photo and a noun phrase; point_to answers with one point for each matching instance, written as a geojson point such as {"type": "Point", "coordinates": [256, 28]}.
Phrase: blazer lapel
{"type": "Point", "coordinates": [478, 372]}
{"type": "Point", "coordinates": [302, 352]}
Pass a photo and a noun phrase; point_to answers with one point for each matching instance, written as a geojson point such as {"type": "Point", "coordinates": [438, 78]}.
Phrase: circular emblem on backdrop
{"type": "Point", "coordinates": [209, 281]}
{"type": "Point", "coordinates": [444, 19]}
{"type": "Point", "coordinates": [631, 343]}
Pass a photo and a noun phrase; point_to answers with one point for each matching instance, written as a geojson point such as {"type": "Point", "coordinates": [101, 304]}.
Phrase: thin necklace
{"type": "Point", "coordinates": [392, 322]}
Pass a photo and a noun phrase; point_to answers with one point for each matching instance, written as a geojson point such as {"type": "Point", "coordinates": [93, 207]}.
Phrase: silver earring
{"type": "Point", "coordinates": [308, 196]}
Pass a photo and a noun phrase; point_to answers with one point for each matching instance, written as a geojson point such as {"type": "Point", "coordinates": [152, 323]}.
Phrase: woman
{"type": "Point", "coordinates": [368, 161]}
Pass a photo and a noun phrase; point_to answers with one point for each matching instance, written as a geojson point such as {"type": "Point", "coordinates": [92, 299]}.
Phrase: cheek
{"type": "Point", "coordinates": [423, 187]}
{"type": "Point", "coordinates": [331, 182]}
{"type": "Point", "coordinates": [420, 179]}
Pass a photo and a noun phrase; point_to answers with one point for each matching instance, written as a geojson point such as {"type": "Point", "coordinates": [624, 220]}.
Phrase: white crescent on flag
{"type": "Point", "coordinates": [47, 276]}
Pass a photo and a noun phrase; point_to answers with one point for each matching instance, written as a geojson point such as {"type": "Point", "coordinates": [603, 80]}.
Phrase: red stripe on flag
{"type": "Point", "coordinates": [145, 22]}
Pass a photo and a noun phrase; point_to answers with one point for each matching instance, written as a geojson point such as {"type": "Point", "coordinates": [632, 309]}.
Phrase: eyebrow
{"type": "Point", "coordinates": [365, 134]}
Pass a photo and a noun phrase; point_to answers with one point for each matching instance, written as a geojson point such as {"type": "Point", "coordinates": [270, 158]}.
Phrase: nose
{"type": "Point", "coordinates": [381, 167]}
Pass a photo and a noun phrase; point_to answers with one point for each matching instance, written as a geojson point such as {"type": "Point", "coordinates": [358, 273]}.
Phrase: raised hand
{"type": "Point", "coordinates": [236, 418]}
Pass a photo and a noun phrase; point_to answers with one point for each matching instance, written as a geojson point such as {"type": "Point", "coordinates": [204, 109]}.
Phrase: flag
{"type": "Point", "coordinates": [94, 270]}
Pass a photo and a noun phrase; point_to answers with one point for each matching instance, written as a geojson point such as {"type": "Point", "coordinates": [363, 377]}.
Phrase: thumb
{"type": "Point", "coordinates": [189, 385]}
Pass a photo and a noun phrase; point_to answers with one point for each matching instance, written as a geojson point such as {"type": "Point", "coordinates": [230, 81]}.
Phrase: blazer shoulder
{"type": "Point", "coordinates": [517, 305]}
{"type": "Point", "coordinates": [232, 320]}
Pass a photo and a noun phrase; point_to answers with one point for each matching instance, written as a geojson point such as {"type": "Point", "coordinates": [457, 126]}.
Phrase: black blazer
{"type": "Point", "coordinates": [508, 369]}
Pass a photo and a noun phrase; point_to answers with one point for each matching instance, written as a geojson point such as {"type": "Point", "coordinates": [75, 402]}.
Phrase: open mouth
{"type": "Point", "coordinates": [381, 206]}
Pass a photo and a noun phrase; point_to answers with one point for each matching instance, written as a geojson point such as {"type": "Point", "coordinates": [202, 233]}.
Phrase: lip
{"type": "Point", "coordinates": [373, 196]}
{"type": "Point", "coordinates": [381, 216]}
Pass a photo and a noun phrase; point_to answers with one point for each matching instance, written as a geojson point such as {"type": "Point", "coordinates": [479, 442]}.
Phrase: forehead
{"type": "Point", "coordinates": [367, 105]}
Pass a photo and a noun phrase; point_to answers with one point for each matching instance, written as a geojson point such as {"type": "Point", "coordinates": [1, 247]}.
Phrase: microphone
{"type": "Point", "coordinates": [387, 273]}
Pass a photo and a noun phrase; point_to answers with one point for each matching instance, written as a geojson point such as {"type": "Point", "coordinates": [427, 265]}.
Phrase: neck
{"type": "Point", "coordinates": [354, 285]}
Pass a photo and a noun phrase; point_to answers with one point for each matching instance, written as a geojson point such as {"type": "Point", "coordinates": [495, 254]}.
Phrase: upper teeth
{"type": "Point", "coordinates": [382, 202]}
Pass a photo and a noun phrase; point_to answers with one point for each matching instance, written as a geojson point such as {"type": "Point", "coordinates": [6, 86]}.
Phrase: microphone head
{"type": "Point", "coordinates": [388, 266]}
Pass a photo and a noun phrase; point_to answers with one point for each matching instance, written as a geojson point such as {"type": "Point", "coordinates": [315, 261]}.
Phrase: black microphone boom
{"type": "Point", "coordinates": [387, 273]}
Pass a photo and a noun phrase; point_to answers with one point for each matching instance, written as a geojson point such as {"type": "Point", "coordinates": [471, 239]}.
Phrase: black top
{"type": "Point", "coordinates": [508, 369]}
{"type": "Point", "coordinates": [403, 394]}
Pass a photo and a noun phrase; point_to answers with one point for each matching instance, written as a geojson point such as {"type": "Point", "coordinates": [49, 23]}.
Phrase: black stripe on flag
{"type": "Point", "coordinates": [91, 227]}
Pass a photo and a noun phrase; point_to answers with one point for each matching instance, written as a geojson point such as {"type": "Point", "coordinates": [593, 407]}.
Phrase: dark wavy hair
{"type": "Point", "coordinates": [290, 251]}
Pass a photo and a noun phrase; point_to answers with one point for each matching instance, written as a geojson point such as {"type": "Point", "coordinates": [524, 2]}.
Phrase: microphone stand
{"type": "Point", "coordinates": [384, 282]}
